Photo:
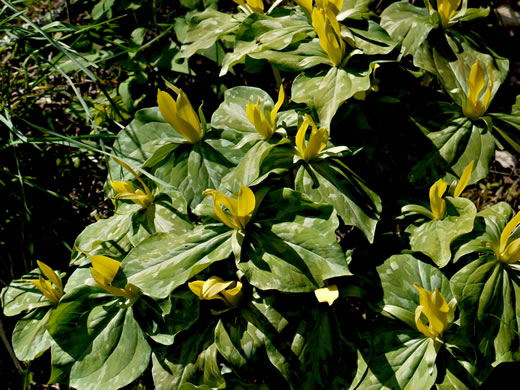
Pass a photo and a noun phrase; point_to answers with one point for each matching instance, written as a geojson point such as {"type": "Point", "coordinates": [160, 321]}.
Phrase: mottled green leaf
{"type": "Point", "coordinates": [401, 298]}
{"type": "Point", "coordinates": [434, 237]}
{"type": "Point", "coordinates": [30, 337]}
{"type": "Point", "coordinates": [325, 182]}
{"type": "Point", "coordinates": [488, 294]}
{"type": "Point", "coordinates": [166, 261]}
{"type": "Point", "coordinates": [98, 343]}
{"type": "Point", "coordinates": [327, 91]}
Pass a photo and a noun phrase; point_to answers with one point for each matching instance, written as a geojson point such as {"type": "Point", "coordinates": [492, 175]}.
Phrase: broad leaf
{"type": "Point", "coordinates": [407, 24]}
{"type": "Point", "coordinates": [401, 298]}
{"type": "Point", "coordinates": [434, 237]}
{"type": "Point", "coordinates": [325, 182]}
{"type": "Point", "coordinates": [166, 261]}
{"type": "Point", "coordinates": [192, 362]}
{"type": "Point", "coordinates": [326, 92]}
{"type": "Point", "coordinates": [292, 246]}
{"type": "Point", "coordinates": [488, 294]}
{"type": "Point", "coordinates": [98, 341]}
{"type": "Point", "coordinates": [30, 337]}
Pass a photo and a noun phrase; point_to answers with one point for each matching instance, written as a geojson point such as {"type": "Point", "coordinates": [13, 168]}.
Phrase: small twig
{"type": "Point", "coordinates": [10, 349]}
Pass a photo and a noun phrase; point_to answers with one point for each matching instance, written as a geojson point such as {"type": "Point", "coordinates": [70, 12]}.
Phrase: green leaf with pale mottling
{"type": "Point", "coordinates": [98, 343]}
{"type": "Point", "coordinates": [434, 238]}
{"type": "Point", "coordinates": [189, 363]}
{"type": "Point", "coordinates": [488, 294]}
{"type": "Point", "coordinates": [30, 337]}
{"type": "Point", "coordinates": [343, 189]}
{"type": "Point", "coordinates": [327, 91]}
{"type": "Point", "coordinates": [400, 297]}
{"type": "Point", "coordinates": [166, 261]}
{"type": "Point", "coordinates": [292, 246]}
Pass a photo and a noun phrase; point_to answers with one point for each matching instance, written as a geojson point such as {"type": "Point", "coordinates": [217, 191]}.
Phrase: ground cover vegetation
{"type": "Point", "coordinates": [304, 195]}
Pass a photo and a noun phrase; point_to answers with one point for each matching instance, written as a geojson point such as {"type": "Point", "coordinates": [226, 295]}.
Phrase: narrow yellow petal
{"type": "Point", "coordinates": [51, 275]}
{"type": "Point", "coordinates": [437, 204]}
{"type": "Point", "coordinates": [476, 82]}
{"type": "Point", "coordinates": [256, 117]}
{"type": "Point", "coordinates": [213, 286]}
{"type": "Point", "coordinates": [447, 9]}
{"type": "Point", "coordinates": [245, 205]}
{"type": "Point", "coordinates": [327, 294]}
{"type": "Point", "coordinates": [510, 227]}
{"type": "Point", "coordinates": [300, 136]}
{"type": "Point", "coordinates": [327, 28]}
{"type": "Point", "coordinates": [105, 266]}
{"type": "Point", "coordinates": [219, 200]}
{"type": "Point", "coordinates": [420, 325]}
{"type": "Point", "coordinates": [281, 98]}
{"type": "Point", "coordinates": [317, 141]}
{"type": "Point", "coordinates": [196, 287]}
{"type": "Point", "coordinates": [233, 295]}
{"type": "Point", "coordinates": [256, 5]}
{"type": "Point", "coordinates": [116, 291]}
{"type": "Point", "coordinates": [512, 252]}
{"type": "Point", "coordinates": [46, 289]}
{"type": "Point", "coordinates": [180, 115]}
{"type": "Point", "coordinates": [464, 179]}
{"type": "Point", "coordinates": [435, 308]}
{"type": "Point", "coordinates": [305, 4]}
{"type": "Point", "coordinates": [122, 187]}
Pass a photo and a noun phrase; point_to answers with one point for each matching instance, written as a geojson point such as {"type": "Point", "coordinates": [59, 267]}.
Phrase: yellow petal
{"type": "Point", "coordinates": [306, 4]}
{"type": "Point", "coordinates": [51, 275]}
{"type": "Point", "coordinates": [437, 204]}
{"type": "Point", "coordinates": [219, 200]}
{"type": "Point", "coordinates": [196, 287]}
{"type": "Point", "coordinates": [317, 141]}
{"type": "Point", "coordinates": [446, 9]}
{"type": "Point", "coordinates": [325, 24]}
{"type": "Point", "coordinates": [106, 267]}
{"type": "Point", "coordinates": [180, 115]}
{"type": "Point", "coordinates": [476, 82]}
{"type": "Point", "coordinates": [240, 2]}
{"type": "Point", "coordinates": [256, 117]}
{"type": "Point", "coordinates": [300, 136]}
{"type": "Point", "coordinates": [435, 308]}
{"type": "Point", "coordinates": [487, 96]}
{"type": "Point", "coordinates": [510, 227]}
{"type": "Point", "coordinates": [327, 294]}
{"type": "Point", "coordinates": [233, 295]}
{"type": "Point", "coordinates": [46, 289]}
{"type": "Point", "coordinates": [256, 5]}
{"type": "Point", "coordinates": [245, 205]}
{"type": "Point", "coordinates": [464, 179]}
{"type": "Point", "coordinates": [116, 291]}
{"type": "Point", "coordinates": [281, 98]}
{"type": "Point", "coordinates": [122, 187]}
{"type": "Point", "coordinates": [213, 286]}
{"type": "Point", "coordinates": [512, 252]}
{"type": "Point", "coordinates": [420, 325]}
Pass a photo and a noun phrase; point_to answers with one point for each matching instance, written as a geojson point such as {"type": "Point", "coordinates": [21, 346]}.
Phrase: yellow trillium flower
{"type": "Point", "coordinates": [327, 294]}
{"type": "Point", "coordinates": [327, 28]}
{"type": "Point", "coordinates": [125, 189]}
{"type": "Point", "coordinates": [252, 6]}
{"type": "Point", "coordinates": [241, 209]}
{"type": "Point", "coordinates": [509, 253]}
{"type": "Point", "coordinates": [180, 115]}
{"type": "Point", "coordinates": [435, 308]}
{"type": "Point", "coordinates": [464, 179]}
{"type": "Point", "coordinates": [474, 108]}
{"type": "Point", "coordinates": [104, 269]}
{"type": "Point", "coordinates": [437, 203]}
{"type": "Point", "coordinates": [216, 288]}
{"type": "Point", "coordinates": [52, 293]}
{"type": "Point", "coordinates": [317, 140]}
{"type": "Point", "coordinates": [255, 116]}
{"type": "Point", "coordinates": [446, 9]}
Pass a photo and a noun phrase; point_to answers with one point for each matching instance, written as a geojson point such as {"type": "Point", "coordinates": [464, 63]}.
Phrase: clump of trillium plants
{"type": "Point", "coordinates": [253, 249]}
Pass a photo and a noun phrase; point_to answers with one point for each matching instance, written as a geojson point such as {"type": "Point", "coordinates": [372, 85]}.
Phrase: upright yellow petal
{"type": "Point", "coordinates": [435, 308]}
{"type": "Point", "coordinates": [256, 117]}
{"type": "Point", "coordinates": [317, 141]}
{"type": "Point", "coordinates": [122, 187]}
{"type": "Point", "coordinates": [325, 24]}
{"type": "Point", "coordinates": [305, 4]}
{"type": "Point", "coordinates": [464, 179]}
{"type": "Point", "coordinates": [196, 287]}
{"type": "Point", "coordinates": [213, 286]}
{"type": "Point", "coordinates": [46, 289]}
{"type": "Point", "coordinates": [327, 294]}
{"type": "Point", "coordinates": [510, 227]}
{"type": "Point", "coordinates": [51, 275]}
{"type": "Point", "coordinates": [420, 325]}
{"type": "Point", "coordinates": [105, 267]}
{"type": "Point", "coordinates": [281, 98]}
{"type": "Point", "coordinates": [219, 200]}
{"type": "Point", "coordinates": [476, 81]}
{"type": "Point", "coordinates": [245, 205]}
{"type": "Point", "coordinates": [256, 5]}
{"type": "Point", "coordinates": [512, 252]}
{"type": "Point", "coordinates": [437, 204]}
{"type": "Point", "coordinates": [180, 115]}
{"type": "Point", "coordinates": [300, 136]}
{"type": "Point", "coordinates": [446, 9]}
